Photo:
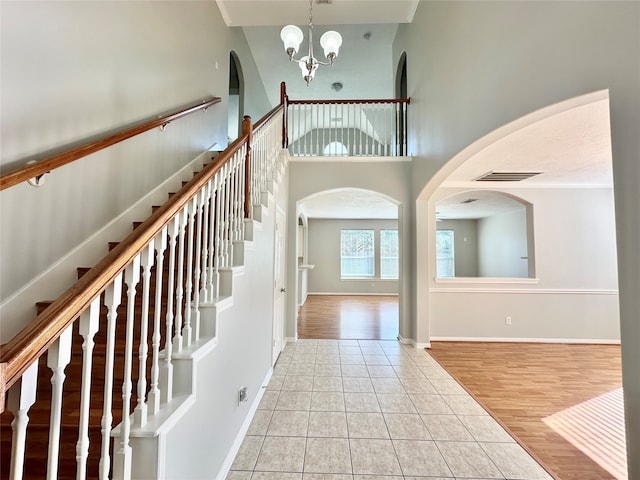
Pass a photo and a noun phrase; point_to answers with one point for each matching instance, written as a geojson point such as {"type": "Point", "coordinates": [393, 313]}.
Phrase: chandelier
{"type": "Point", "coordinates": [292, 37]}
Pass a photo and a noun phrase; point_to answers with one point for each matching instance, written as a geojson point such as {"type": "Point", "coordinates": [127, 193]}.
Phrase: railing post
{"type": "Point", "coordinates": [247, 128]}
{"type": "Point", "coordinates": [284, 100]}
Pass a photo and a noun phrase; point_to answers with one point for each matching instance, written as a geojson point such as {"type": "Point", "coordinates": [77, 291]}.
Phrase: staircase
{"type": "Point", "coordinates": [132, 355]}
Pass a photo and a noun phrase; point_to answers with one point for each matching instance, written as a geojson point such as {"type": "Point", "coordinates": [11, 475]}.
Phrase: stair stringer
{"type": "Point", "coordinates": [149, 443]}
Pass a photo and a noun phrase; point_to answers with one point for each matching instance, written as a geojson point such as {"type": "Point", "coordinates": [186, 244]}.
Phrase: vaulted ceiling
{"type": "Point", "coordinates": [569, 149]}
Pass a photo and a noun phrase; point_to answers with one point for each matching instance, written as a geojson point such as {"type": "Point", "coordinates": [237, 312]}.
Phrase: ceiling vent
{"type": "Point", "coordinates": [506, 176]}
{"type": "Point", "coordinates": [325, 2]}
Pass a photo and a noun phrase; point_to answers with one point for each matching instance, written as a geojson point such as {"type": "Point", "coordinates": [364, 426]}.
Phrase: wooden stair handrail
{"type": "Point", "coordinates": [34, 339]}
{"type": "Point", "coordinates": [26, 172]}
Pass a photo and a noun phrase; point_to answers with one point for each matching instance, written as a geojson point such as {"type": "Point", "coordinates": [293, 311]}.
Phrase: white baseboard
{"type": "Point", "coordinates": [413, 343]}
{"type": "Point", "coordinates": [288, 340]}
{"type": "Point", "coordinates": [228, 461]}
{"type": "Point", "coordinates": [353, 294]}
{"type": "Point", "coordinates": [528, 340]}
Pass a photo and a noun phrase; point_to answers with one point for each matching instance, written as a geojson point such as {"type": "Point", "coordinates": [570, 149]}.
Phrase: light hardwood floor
{"type": "Point", "coordinates": [349, 317]}
{"type": "Point", "coordinates": [521, 384]}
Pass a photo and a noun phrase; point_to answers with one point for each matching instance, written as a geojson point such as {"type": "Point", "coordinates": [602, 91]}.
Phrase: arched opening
{"type": "Point", "coordinates": [401, 92]}
{"type": "Point", "coordinates": [484, 233]}
{"type": "Point", "coordinates": [335, 149]}
{"type": "Point", "coordinates": [562, 155]}
{"type": "Point", "coordinates": [349, 259]}
{"type": "Point", "coordinates": [236, 97]}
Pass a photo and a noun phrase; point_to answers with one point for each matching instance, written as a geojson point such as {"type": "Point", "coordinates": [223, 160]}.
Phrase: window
{"type": "Point", "coordinates": [445, 259]}
{"type": "Point", "coordinates": [335, 149]}
{"type": "Point", "coordinates": [357, 254]}
{"type": "Point", "coordinates": [388, 253]}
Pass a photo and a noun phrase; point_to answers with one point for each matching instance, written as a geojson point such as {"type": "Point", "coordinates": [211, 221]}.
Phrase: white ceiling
{"type": "Point", "coordinates": [245, 13]}
{"type": "Point", "coordinates": [571, 149]}
{"type": "Point", "coordinates": [349, 203]}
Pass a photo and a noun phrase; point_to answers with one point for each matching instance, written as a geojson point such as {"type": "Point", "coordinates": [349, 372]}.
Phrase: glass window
{"type": "Point", "coordinates": [445, 259]}
{"type": "Point", "coordinates": [389, 254]}
{"type": "Point", "coordinates": [356, 254]}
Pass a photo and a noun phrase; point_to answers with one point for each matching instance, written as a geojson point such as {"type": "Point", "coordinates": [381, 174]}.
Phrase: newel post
{"type": "Point", "coordinates": [247, 129]}
{"type": "Point", "coordinates": [284, 100]}
{"type": "Point", "coordinates": [3, 376]}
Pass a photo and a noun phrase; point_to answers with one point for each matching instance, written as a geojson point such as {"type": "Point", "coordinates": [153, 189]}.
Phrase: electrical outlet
{"type": "Point", "coordinates": [242, 395]}
{"type": "Point", "coordinates": [507, 320]}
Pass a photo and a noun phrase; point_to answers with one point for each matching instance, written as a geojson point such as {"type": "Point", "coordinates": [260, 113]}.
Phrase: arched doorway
{"type": "Point", "coordinates": [401, 92]}
{"type": "Point", "coordinates": [236, 97]}
{"type": "Point", "coordinates": [568, 181]}
{"type": "Point", "coordinates": [349, 265]}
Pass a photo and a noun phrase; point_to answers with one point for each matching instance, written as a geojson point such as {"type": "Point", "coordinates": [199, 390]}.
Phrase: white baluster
{"type": "Point", "coordinates": [342, 126]}
{"type": "Point", "coordinates": [398, 129]}
{"type": "Point", "coordinates": [160, 243]}
{"type": "Point", "coordinates": [193, 209]}
{"type": "Point", "coordinates": [122, 455]}
{"type": "Point", "coordinates": [205, 237]}
{"type": "Point", "coordinates": [225, 217]}
{"type": "Point", "coordinates": [317, 107]}
{"type": "Point", "coordinates": [404, 127]}
{"type": "Point", "coordinates": [198, 273]}
{"type": "Point", "coordinates": [214, 221]}
{"type": "Point", "coordinates": [217, 253]}
{"type": "Point", "coordinates": [167, 366]}
{"type": "Point", "coordinates": [112, 299]}
{"type": "Point", "coordinates": [58, 357]}
{"type": "Point", "coordinates": [146, 261]}
{"type": "Point", "coordinates": [20, 398]}
{"type": "Point", "coordinates": [177, 336]}
{"type": "Point", "coordinates": [386, 129]}
{"type": "Point", "coordinates": [89, 321]}
{"type": "Point", "coordinates": [323, 127]}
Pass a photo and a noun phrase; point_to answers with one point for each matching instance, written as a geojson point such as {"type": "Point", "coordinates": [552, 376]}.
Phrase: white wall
{"type": "Point", "coordinates": [71, 70]}
{"type": "Point", "coordinates": [502, 245]}
{"type": "Point", "coordinates": [324, 253]}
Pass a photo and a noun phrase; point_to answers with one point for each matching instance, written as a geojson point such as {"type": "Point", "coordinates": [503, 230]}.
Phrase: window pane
{"type": "Point", "coordinates": [389, 254]}
{"type": "Point", "coordinates": [445, 259]}
{"type": "Point", "coordinates": [356, 253]}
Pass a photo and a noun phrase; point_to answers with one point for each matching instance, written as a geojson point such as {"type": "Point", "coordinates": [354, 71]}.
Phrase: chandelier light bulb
{"type": "Point", "coordinates": [330, 41]}
{"type": "Point", "coordinates": [292, 37]}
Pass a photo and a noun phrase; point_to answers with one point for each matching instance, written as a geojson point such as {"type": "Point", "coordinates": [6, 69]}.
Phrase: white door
{"type": "Point", "coordinates": [279, 285]}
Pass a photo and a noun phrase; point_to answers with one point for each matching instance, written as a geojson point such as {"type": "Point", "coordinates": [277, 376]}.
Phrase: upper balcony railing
{"type": "Point", "coordinates": [356, 128]}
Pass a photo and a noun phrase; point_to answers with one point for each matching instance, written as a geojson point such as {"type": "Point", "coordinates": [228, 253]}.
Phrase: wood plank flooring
{"type": "Point", "coordinates": [521, 384]}
{"type": "Point", "coordinates": [349, 317]}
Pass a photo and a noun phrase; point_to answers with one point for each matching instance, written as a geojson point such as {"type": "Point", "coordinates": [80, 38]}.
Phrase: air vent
{"type": "Point", "coordinates": [326, 2]}
{"type": "Point", "coordinates": [506, 176]}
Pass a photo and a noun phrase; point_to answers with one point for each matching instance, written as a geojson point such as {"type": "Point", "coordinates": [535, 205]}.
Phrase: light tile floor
{"type": "Point", "coordinates": [375, 410]}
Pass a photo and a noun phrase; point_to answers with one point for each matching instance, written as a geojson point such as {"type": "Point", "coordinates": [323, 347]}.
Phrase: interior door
{"type": "Point", "coordinates": [279, 285]}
